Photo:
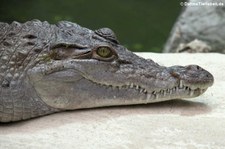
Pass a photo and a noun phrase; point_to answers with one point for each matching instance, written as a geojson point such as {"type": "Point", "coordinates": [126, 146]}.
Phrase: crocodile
{"type": "Point", "coordinates": [47, 68]}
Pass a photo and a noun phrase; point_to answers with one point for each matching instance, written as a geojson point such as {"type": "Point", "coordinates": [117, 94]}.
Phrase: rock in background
{"type": "Point", "coordinates": [204, 23]}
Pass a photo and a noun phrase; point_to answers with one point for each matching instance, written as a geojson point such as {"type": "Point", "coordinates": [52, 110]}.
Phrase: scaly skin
{"type": "Point", "coordinates": [50, 68]}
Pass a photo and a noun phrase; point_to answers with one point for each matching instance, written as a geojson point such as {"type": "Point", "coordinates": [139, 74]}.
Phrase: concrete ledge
{"type": "Point", "coordinates": [197, 123]}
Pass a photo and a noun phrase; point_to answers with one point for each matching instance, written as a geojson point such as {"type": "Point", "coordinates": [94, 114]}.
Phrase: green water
{"type": "Point", "coordinates": [140, 25]}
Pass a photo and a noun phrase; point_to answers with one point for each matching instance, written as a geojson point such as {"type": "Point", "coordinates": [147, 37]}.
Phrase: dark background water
{"type": "Point", "coordinates": [140, 25]}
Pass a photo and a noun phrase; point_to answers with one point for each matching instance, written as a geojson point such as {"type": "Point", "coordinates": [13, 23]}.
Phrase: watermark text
{"type": "Point", "coordinates": [202, 4]}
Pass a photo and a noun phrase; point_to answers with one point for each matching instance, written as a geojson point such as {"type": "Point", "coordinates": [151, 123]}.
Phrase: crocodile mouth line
{"type": "Point", "coordinates": [179, 91]}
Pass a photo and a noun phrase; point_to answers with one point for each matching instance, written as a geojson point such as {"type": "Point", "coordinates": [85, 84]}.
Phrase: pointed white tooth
{"type": "Point", "coordinates": [137, 87]}
{"type": "Point", "coordinates": [181, 84]}
{"type": "Point", "coordinates": [145, 91]}
{"type": "Point", "coordinates": [171, 91]}
{"type": "Point", "coordinates": [140, 90]}
{"type": "Point", "coordinates": [131, 85]}
{"type": "Point", "coordinates": [157, 96]}
{"type": "Point", "coordinates": [148, 96]}
{"type": "Point", "coordinates": [164, 93]}
{"type": "Point", "coordinates": [174, 89]}
{"type": "Point", "coordinates": [161, 92]}
{"type": "Point", "coordinates": [154, 92]}
{"type": "Point", "coordinates": [191, 93]}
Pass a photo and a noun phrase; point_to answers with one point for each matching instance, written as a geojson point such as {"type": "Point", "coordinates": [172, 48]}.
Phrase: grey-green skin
{"type": "Point", "coordinates": [50, 68]}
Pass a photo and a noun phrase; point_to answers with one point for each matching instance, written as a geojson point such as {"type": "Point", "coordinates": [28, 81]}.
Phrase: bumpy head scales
{"type": "Point", "coordinates": [82, 68]}
{"type": "Point", "coordinates": [47, 68]}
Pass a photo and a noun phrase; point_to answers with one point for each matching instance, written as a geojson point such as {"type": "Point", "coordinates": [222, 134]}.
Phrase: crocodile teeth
{"type": "Point", "coordinates": [164, 93]}
{"type": "Point", "coordinates": [131, 85]}
{"type": "Point", "coordinates": [137, 87]}
{"type": "Point", "coordinates": [145, 91]}
{"type": "Point", "coordinates": [174, 89]}
{"type": "Point", "coordinates": [157, 93]}
{"type": "Point", "coordinates": [171, 91]}
{"type": "Point", "coordinates": [181, 84]}
{"type": "Point", "coordinates": [156, 96]}
{"type": "Point", "coordinates": [191, 93]}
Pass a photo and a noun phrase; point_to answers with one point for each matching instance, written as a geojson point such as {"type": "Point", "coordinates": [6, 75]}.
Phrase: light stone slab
{"type": "Point", "coordinates": [193, 124]}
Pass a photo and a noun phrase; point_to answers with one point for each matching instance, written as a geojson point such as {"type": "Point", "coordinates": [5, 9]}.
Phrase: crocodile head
{"type": "Point", "coordinates": [85, 68]}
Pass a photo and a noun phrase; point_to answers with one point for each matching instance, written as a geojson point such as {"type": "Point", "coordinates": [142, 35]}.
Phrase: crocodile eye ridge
{"type": "Point", "coordinates": [108, 34]}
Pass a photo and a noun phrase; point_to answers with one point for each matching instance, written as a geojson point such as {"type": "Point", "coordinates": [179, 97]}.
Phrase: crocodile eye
{"type": "Point", "coordinates": [104, 52]}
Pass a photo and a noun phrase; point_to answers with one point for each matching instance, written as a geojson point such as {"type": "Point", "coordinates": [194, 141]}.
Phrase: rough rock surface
{"type": "Point", "coordinates": [197, 123]}
{"type": "Point", "coordinates": [195, 46]}
{"type": "Point", "coordinates": [205, 23]}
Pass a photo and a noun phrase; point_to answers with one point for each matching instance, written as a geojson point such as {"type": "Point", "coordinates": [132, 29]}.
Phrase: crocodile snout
{"type": "Point", "coordinates": [193, 76]}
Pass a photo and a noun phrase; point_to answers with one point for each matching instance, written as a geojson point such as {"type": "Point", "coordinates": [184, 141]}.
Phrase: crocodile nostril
{"type": "Point", "coordinates": [198, 67]}
{"type": "Point", "coordinates": [175, 75]}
